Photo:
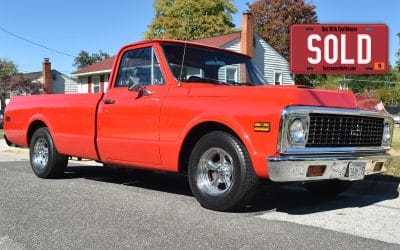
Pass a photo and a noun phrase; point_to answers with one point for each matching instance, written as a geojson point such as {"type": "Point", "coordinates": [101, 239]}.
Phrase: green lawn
{"type": "Point", "coordinates": [396, 140]}
{"type": "Point", "coordinates": [1, 133]}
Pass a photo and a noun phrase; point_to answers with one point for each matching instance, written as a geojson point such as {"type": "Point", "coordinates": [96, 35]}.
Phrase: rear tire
{"type": "Point", "coordinates": [220, 173]}
{"type": "Point", "coordinates": [45, 160]}
{"type": "Point", "coordinates": [328, 188]}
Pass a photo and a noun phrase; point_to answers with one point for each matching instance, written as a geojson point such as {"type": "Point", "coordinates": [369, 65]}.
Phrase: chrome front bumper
{"type": "Point", "coordinates": [295, 168]}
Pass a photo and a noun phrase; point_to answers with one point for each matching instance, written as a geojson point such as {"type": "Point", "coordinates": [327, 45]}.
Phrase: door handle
{"type": "Point", "coordinates": [108, 101]}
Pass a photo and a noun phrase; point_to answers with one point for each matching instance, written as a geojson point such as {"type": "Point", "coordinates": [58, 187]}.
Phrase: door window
{"type": "Point", "coordinates": [140, 66]}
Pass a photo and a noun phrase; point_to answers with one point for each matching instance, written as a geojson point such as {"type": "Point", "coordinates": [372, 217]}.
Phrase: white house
{"type": "Point", "coordinates": [274, 66]}
{"type": "Point", "coordinates": [53, 81]}
{"type": "Point", "coordinates": [94, 78]}
{"type": "Point", "coordinates": [50, 80]}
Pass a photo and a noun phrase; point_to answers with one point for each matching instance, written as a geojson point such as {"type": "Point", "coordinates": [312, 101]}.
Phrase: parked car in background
{"type": "Point", "coordinates": [1, 118]}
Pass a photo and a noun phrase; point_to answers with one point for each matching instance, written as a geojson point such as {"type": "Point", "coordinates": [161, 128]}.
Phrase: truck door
{"type": "Point", "coordinates": [128, 121]}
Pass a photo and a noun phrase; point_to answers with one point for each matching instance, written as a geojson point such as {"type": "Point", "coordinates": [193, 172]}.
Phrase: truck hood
{"type": "Point", "coordinates": [289, 96]}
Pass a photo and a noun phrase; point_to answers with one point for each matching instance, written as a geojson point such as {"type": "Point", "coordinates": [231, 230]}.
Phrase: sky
{"type": "Point", "coordinates": [93, 25]}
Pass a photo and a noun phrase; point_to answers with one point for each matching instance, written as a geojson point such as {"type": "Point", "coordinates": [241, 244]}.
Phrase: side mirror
{"type": "Point", "coordinates": [141, 90]}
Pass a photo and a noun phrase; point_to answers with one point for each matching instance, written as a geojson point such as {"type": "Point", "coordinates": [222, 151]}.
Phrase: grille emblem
{"type": "Point", "coordinates": [356, 131]}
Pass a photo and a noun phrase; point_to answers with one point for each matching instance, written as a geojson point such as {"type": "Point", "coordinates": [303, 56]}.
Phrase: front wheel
{"type": "Point", "coordinates": [45, 160]}
{"type": "Point", "coordinates": [221, 175]}
{"type": "Point", "coordinates": [329, 188]}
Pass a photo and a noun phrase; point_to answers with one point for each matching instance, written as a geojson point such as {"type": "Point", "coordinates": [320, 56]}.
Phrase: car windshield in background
{"type": "Point", "coordinates": [211, 66]}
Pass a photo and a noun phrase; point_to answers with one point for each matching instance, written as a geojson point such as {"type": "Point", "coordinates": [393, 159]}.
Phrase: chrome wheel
{"type": "Point", "coordinates": [215, 172]}
{"type": "Point", "coordinates": [220, 172]}
{"type": "Point", "coordinates": [40, 154]}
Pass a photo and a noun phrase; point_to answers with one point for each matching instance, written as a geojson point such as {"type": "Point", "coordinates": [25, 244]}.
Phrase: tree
{"type": "Point", "coordinates": [390, 96]}
{"type": "Point", "coordinates": [385, 87]}
{"type": "Point", "coordinates": [360, 83]}
{"type": "Point", "coordinates": [273, 18]}
{"type": "Point", "coordinates": [188, 20]}
{"type": "Point", "coordinates": [16, 85]}
{"type": "Point", "coordinates": [311, 80]}
{"type": "Point", "coordinates": [24, 86]}
{"type": "Point", "coordinates": [7, 69]}
{"type": "Point", "coordinates": [84, 59]}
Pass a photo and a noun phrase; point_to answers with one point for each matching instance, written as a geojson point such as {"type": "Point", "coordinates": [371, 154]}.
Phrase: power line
{"type": "Point", "coordinates": [363, 80]}
{"type": "Point", "coordinates": [35, 43]}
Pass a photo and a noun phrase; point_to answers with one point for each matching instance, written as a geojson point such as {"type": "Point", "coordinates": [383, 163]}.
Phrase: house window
{"type": "Point", "coordinates": [278, 78]}
{"type": "Point", "coordinates": [54, 77]}
{"type": "Point", "coordinates": [231, 74]}
{"type": "Point", "coordinates": [96, 84]}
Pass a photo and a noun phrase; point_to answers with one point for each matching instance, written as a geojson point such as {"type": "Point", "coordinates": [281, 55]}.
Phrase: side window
{"type": "Point", "coordinates": [140, 66]}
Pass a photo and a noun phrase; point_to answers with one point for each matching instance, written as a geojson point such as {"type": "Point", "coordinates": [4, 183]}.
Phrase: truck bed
{"type": "Point", "coordinates": [70, 119]}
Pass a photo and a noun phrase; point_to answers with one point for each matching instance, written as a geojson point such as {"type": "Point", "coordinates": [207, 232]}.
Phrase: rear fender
{"type": "Point", "coordinates": [40, 118]}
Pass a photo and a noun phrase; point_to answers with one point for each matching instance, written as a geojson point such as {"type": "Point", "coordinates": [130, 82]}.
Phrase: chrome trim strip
{"type": "Point", "coordinates": [284, 146]}
{"type": "Point", "coordinates": [336, 157]}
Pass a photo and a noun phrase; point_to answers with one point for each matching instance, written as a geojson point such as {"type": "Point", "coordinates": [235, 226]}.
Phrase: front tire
{"type": "Point", "coordinates": [221, 174]}
{"type": "Point", "coordinates": [45, 160]}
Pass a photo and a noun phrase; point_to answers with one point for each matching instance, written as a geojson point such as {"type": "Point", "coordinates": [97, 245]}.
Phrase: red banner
{"type": "Point", "coordinates": [339, 49]}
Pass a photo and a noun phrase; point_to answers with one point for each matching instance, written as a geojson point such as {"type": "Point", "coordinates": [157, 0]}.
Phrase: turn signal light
{"type": "Point", "coordinates": [378, 166]}
{"type": "Point", "coordinates": [315, 170]}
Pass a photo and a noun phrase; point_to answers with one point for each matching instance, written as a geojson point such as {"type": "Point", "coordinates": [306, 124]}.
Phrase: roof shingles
{"type": "Point", "coordinates": [218, 41]}
{"type": "Point", "coordinates": [106, 64]}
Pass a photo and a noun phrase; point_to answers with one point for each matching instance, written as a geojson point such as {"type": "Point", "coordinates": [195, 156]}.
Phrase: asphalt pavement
{"type": "Point", "coordinates": [98, 207]}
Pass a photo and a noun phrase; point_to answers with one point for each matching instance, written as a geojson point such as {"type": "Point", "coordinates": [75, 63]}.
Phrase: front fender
{"type": "Point", "coordinates": [243, 131]}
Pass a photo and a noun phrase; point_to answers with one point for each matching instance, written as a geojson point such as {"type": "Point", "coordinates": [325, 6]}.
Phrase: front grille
{"type": "Point", "coordinates": [328, 130]}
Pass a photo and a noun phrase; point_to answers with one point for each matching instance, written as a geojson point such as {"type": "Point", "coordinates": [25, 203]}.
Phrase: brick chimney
{"type": "Point", "coordinates": [47, 78]}
{"type": "Point", "coordinates": [247, 35]}
{"type": "Point", "coordinates": [246, 42]}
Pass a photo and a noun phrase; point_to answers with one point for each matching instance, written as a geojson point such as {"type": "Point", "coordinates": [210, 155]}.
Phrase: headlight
{"type": "Point", "coordinates": [387, 134]}
{"type": "Point", "coordinates": [297, 131]}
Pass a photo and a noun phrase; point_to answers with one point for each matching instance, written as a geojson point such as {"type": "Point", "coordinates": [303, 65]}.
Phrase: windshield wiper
{"type": "Point", "coordinates": [206, 80]}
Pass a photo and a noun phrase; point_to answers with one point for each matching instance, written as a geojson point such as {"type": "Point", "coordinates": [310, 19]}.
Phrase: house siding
{"type": "Point", "coordinates": [61, 84]}
{"type": "Point", "coordinates": [273, 62]}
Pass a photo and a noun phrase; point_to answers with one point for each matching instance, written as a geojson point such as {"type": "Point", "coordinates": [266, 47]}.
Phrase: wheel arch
{"type": "Point", "coordinates": [33, 126]}
{"type": "Point", "coordinates": [194, 135]}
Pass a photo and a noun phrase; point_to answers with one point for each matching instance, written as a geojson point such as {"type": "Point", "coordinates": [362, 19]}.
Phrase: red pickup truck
{"type": "Point", "coordinates": [208, 113]}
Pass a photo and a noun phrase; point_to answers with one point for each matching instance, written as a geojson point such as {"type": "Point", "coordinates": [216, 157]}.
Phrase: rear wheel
{"type": "Point", "coordinates": [45, 160]}
{"type": "Point", "coordinates": [221, 175]}
{"type": "Point", "coordinates": [331, 187]}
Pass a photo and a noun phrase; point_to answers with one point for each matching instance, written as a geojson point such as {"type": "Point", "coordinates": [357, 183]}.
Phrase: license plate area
{"type": "Point", "coordinates": [355, 170]}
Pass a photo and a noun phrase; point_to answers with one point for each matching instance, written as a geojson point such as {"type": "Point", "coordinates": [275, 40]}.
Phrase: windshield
{"type": "Point", "coordinates": [211, 66]}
